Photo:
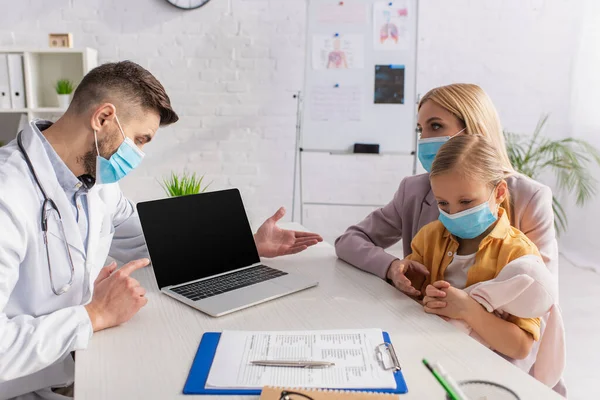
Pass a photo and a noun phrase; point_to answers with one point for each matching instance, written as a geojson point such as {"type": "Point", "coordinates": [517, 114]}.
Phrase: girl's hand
{"type": "Point", "coordinates": [434, 297]}
{"type": "Point", "coordinates": [458, 304]}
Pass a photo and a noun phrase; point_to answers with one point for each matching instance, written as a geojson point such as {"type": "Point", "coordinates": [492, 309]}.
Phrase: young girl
{"type": "Point", "coordinates": [471, 243]}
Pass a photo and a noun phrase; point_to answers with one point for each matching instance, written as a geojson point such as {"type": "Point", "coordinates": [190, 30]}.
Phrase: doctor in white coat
{"type": "Point", "coordinates": [62, 214]}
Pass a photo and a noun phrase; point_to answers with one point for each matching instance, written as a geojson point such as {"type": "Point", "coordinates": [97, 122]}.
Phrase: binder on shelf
{"type": "Point", "coordinates": [5, 102]}
{"type": "Point", "coordinates": [16, 80]}
{"type": "Point", "coordinates": [198, 375]}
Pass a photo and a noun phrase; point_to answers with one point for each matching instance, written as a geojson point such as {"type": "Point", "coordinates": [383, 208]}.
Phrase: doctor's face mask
{"type": "Point", "coordinates": [123, 152]}
{"type": "Point", "coordinates": [127, 157]}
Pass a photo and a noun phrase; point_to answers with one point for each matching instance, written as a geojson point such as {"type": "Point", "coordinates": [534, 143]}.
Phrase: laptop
{"type": "Point", "coordinates": [203, 253]}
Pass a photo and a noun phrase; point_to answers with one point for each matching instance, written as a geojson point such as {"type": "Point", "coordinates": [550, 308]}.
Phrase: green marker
{"type": "Point", "coordinates": [442, 382]}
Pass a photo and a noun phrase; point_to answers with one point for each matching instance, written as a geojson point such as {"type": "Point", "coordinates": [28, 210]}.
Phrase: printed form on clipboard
{"type": "Point", "coordinates": [354, 352]}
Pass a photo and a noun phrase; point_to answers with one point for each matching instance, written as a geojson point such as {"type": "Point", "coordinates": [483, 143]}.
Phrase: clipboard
{"type": "Point", "coordinates": [196, 381]}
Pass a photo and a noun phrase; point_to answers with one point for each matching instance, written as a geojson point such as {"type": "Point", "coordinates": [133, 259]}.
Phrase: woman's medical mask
{"type": "Point", "coordinates": [470, 223]}
{"type": "Point", "coordinates": [429, 147]}
{"type": "Point", "coordinates": [126, 158]}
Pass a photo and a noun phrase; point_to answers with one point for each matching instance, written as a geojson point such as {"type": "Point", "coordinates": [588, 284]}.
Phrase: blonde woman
{"type": "Point", "coordinates": [443, 113]}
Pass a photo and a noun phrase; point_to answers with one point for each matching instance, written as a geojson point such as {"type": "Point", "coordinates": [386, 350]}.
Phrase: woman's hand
{"type": "Point", "coordinates": [401, 270]}
{"type": "Point", "coordinates": [447, 301]}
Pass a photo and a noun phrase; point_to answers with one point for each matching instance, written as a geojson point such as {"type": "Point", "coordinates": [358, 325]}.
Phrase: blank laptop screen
{"type": "Point", "coordinates": [197, 236]}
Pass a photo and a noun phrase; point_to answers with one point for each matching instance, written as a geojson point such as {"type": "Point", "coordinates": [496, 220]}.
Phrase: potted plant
{"type": "Point", "coordinates": [568, 159]}
{"type": "Point", "coordinates": [64, 88]}
{"type": "Point", "coordinates": [184, 184]}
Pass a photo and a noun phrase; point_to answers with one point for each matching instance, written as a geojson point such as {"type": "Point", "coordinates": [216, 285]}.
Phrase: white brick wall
{"type": "Point", "coordinates": [231, 69]}
{"type": "Point", "coordinates": [580, 243]}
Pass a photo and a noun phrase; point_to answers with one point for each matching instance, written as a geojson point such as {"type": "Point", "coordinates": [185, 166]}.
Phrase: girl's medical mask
{"type": "Point", "coordinates": [126, 159]}
{"type": "Point", "coordinates": [429, 147]}
{"type": "Point", "coordinates": [470, 223]}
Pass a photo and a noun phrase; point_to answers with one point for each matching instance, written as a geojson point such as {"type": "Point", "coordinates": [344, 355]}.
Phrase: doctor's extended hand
{"type": "Point", "coordinates": [117, 296]}
{"type": "Point", "coordinates": [272, 241]}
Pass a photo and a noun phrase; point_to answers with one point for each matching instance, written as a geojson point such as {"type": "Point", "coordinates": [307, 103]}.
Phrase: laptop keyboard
{"type": "Point", "coordinates": [227, 283]}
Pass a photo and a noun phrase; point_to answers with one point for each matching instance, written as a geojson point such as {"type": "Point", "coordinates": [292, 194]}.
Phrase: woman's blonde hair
{"type": "Point", "coordinates": [470, 104]}
{"type": "Point", "coordinates": [475, 157]}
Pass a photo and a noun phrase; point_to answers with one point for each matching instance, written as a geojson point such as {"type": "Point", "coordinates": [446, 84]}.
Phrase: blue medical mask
{"type": "Point", "coordinates": [429, 147]}
{"type": "Point", "coordinates": [470, 223]}
{"type": "Point", "coordinates": [126, 159]}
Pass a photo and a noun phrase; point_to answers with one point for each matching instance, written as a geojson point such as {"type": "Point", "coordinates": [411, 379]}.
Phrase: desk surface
{"type": "Point", "coordinates": [149, 357]}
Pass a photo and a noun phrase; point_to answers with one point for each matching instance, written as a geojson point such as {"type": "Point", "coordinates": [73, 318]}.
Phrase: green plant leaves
{"type": "Point", "coordinates": [568, 159]}
{"type": "Point", "coordinates": [64, 86]}
{"type": "Point", "coordinates": [560, 217]}
{"type": "Point", "coordinates": [184, 184]}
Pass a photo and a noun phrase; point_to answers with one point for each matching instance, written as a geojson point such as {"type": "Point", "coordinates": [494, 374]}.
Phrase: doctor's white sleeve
{"type": "Point", "coordinates": [128, 242]}
{"type": "Point", "coordinates": [29, 344]}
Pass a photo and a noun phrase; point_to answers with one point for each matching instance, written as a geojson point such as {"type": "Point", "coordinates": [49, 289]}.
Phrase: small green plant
{"type": "Point", "coordinates": [64, 86]}
{"type": "Point", "coordinates": [1, 143]}
{"type": "Point", "coordinates": [184, 184]}
{"type": "Point", "coordinates": [568, 159]}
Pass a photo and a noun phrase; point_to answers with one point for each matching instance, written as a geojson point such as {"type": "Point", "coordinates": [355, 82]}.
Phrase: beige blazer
{"type": "Point", "coordinates": [413, 206]}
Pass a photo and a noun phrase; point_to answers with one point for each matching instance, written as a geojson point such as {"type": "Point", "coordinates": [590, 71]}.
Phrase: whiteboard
{"type": "Point", "coordinates": [345, 41]}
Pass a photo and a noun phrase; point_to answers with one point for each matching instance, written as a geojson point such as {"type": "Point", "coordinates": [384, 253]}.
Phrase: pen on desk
{"type": "Point", "coordinates": [293, 364]}
{"type": "Point", "coordinates": [450, 381]}
{"type": "Point", "coordinates": [449, 390]}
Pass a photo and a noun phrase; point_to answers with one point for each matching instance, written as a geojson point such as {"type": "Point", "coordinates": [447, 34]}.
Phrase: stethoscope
{"type": "Point", "coordinates": [48, 206]}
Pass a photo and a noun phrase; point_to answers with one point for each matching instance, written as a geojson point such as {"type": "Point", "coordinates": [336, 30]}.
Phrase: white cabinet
{"type": "Point", "coordinates": [41, 70]}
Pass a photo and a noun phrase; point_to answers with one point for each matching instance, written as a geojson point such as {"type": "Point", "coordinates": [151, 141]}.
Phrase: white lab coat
{"type": "Point", "coordinates": [38, 329]}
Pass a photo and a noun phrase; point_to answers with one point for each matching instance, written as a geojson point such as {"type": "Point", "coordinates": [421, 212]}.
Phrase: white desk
{"type": "Point", "coordinates": [149, 357]}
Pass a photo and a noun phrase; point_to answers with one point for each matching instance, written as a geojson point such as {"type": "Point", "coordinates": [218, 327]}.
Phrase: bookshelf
{"type": "Point", "coordinates": [41, 69]}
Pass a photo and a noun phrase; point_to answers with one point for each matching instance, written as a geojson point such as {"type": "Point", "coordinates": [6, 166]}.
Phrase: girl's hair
{"type": "Point", "coordinates": [475, 157]}
{"type": "Point", "coordinates": [470, 104]}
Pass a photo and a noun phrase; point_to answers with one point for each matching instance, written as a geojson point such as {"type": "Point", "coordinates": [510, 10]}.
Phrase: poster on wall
{"type": "Point", "coordinates": [336, 103]}
{"type": "Point", "coordinates": [338, 52]}
{"type": "Point", "coordinates": [390, 24]}
{"type": "Point", "coordinates": [342, 13]}
{"type": "Point", "coordinates": [389, 84]}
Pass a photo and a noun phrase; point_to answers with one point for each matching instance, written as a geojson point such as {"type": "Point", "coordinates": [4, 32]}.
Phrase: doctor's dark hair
{"type": "Point", "coordinates": [474, 157]}
{"type": "Point", "coordinates": [128, 81]}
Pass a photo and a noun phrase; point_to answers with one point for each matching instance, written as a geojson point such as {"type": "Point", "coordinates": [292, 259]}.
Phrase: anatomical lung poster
{"type": "Point", "coordinates": [390, 24]}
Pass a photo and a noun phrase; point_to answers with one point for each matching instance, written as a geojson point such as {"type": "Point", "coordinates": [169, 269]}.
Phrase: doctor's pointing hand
{"type": "Point", "coordinates": [117, 296]}
{"type": "Point", "coordinates": [62, 214]}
